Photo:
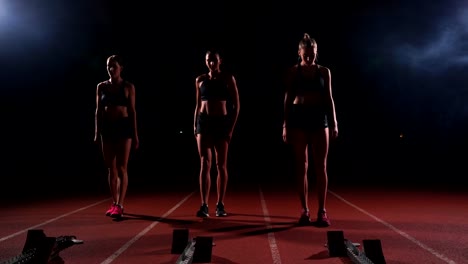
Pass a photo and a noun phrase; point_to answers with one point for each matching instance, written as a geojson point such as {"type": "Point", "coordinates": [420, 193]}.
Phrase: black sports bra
{"type": "Point", "coordinates": [214, 89]}
{"type": "Point", "coordinates": [114, 98]}
{"type": "Point", "coordinates": [304, 84]}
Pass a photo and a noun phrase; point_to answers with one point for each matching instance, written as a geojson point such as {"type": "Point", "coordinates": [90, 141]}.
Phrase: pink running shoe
{"type": "Point", "coordinates": [111, 209]}
{"type": "Point", "coordinates": [118, 212]}
{"type": "Point", "coordinates": [322, 219]}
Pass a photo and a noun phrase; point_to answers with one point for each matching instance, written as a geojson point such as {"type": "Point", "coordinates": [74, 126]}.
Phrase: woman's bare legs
{"type": "Point", "coordinates": [319, 148]}
{"type": "Point", "coordinates": [299, 142]}
{"type": "Point", "coordinates": [204, 151]}
{"type": "Point", "coordinates": [116, 155]}
{"type": "Point", "coordinates": [123, 154]}
{"type": "Point", "coordinates": [109, 154]}
{"type": "Point", "coordinates": [221, 150]}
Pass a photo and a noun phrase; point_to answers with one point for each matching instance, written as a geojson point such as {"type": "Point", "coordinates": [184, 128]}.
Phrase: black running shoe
{"type": "Point", "coordinates": [203, 212]}
{"type": "Point", "coordinates": [220, 212]}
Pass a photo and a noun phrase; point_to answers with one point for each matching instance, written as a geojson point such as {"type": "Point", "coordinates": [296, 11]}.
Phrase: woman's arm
{"type": "Point", "coordinates": [132, 111]}
{"type": "Point", "coordinates": [288, 96]}
{"type": "Point", "coordinates": [98, 113]}
{"type": "Point", "coordinates": [234, 94]}
{"type": "Point", "coordinates": [329, 95]}
{"type": "Point", "coordinates": [197, 102]}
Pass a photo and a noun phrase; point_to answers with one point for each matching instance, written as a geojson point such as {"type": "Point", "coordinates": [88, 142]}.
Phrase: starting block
{"type": "Point", "coordinates": [196, 250]}
{"type": "Point", "coordinates": [180, 238]}
{"type": "Point", "coordinates": [339, 246]}
{"type": "Point", "coordinates": [40, 249]}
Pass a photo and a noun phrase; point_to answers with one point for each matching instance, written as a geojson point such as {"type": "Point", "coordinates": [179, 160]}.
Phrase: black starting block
{"type": "Point", "coordinates": [41, 249]}
{"type": "Point", "coordinates": [196, 250]}
{"type": "Point", "coordinates": [373, 250]}
{"type": "Point", "coordinates": [62, 243]}
{"type": "Point", "coordinates": [339, 246]}
{"type": "Point", "coordinates": [180, 238]}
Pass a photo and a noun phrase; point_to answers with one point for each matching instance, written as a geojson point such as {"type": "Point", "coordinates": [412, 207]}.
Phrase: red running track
{"type": "Point", "coordinates": [414, 226]}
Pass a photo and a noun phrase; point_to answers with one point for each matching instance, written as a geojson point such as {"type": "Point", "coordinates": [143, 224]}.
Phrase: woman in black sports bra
{"type": "Point", "coordinates": [216, 111]}
{"type": "Point", "coordinates": [116, 129]}
{"type": "Point", "coordinates": [309, 120]}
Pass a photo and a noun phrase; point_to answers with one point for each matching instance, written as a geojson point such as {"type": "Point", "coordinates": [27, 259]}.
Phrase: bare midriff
{"type": "Point", "coordinates": [115, 112]}
{"type": "Point", "coordinates": [310, 98]}
{"type": "Point", "coordinates": [213, 107]}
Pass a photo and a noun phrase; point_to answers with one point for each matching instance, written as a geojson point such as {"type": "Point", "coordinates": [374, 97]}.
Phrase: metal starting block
{"type": "Point", "coordinates": [41, 249]}
{"type": "Point", "coordinates": [338, 246]}
{"type": "Point", "coordinates": [196, 250]}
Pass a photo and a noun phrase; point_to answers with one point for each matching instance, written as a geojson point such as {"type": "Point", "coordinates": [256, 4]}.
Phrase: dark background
{"type": "Point", "coordinates": [398, 67]}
